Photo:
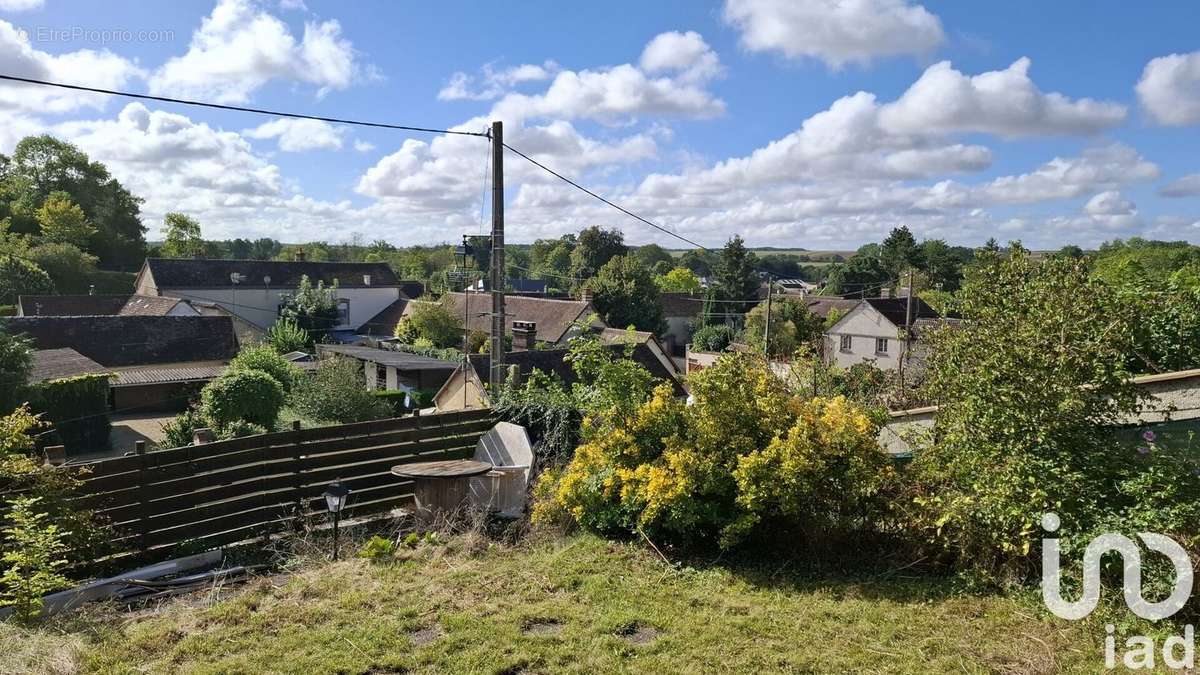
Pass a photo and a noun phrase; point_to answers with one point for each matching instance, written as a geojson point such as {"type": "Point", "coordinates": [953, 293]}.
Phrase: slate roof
{"type": "Point", "coordinates": [53, 364]}
{"type": "Point", "coordinates": [688, 305]}
{"type": "Point", "coordinates": [387, 357]}
{"type": "Point", "coordinates": [203, 273]}
{"type": "Point", "coordinates": [96, 305]}
{"type": "Point", "coordinates": [384, 323]}
{"type": "Point", "coordinates": [894, 309]}
{"type": "Point", "coordinates": [553, 317]}
{"type": "Point", "coordinates": [821, 306]}
{"type": "Point", "coordinates": [412, 289]}
{"type": "Point", "coordinates": [132, 340]}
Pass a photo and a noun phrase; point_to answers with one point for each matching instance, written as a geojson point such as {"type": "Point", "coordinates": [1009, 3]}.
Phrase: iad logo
{"type": "Point", "coordinates": [1140, 652]}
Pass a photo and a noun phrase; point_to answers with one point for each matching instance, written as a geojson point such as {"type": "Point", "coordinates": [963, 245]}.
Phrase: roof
{"type": "Point", "coordinates": [387, 357]}
{"type": "Point", "coordinates": [552, 361]}
{"type": "Point", "coordinates": [822, 305]}
{"type": "Point", "coordinates": [384, 323]}
{"type": "Point", "coordinates": [204, 273]}
{"type": "Point", "coordinates": [53, 364]}
{"type": "Point", "coordinates": [132, 340]}
{"type": "Point", "coordinates": [412, 289]}
{"type": "Point", "coordinates": [895, 309]}
{"type": "Point", "coordinates": [167, 374]}
{"type": "Point", "coordinates": [553, 317]}
{"type": "Point", "coordinates": [96, 305]}
{"type": "Point", "coordinates": [682, 304]}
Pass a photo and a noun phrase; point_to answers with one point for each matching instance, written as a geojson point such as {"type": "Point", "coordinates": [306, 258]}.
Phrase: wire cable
{"type": "Point", "coordinates": [238, 108]}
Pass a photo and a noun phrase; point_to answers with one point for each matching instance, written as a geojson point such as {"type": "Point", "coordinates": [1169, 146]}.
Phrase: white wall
{"type": "Point", "coordinates": [260, 306]}
{"type": "Point", "coordinates": [864, 324]}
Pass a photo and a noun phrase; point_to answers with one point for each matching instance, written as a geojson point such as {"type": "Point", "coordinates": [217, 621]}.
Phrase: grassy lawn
{"type": "Point", "coordinates": [576, 604]}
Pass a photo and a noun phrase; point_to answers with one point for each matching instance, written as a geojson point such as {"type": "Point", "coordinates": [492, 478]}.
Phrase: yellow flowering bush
{"type": "Point", "coordinates": [745, 453]}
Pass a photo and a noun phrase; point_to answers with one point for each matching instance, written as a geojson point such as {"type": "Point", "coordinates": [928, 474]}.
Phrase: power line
{"type": "Point", "coordinates": [236, 108]}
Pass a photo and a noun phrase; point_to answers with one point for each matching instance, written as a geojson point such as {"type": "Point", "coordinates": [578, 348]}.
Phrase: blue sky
{"type": "Point", "coordinates": [799, 123]}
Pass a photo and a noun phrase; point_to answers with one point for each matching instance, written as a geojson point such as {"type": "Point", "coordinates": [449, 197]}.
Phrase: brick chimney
{"type": "Point", "coordinates": [524, 334]}
{"type": "Point", "coordinates": [299, 255]}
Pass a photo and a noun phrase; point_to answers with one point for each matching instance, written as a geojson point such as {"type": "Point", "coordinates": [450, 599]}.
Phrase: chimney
{"type": "Point", "coordinates": [300, 255]}
{"type": "Point", "coordinates": [524, 334]}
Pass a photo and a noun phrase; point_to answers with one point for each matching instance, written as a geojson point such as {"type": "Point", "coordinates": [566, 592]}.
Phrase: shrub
{"type": "Point", "coordinates": [264, 358]}
{"type": "Point", "coordinates": [476, 341]}
{"type": "Point", "coordinates": [34, 558]}
{"type": "Point", "coordinates": [287, 336]}
{"type": "Point", "coordinates": [21, 277]}
{"type": "Point", "coordinates": [435, 322]}
{"type": "Point", "coordinates": [77, 407]}
{"type": "Point", "coordinates": [545, 407]}
{"type": "Point", "coordinates": [238, 429]}
{"type": "Point", "coordinates": [242, 395]}
{"type": "Point", "coordinates": [337, 393]}
{"type": "Point", "coordinates": [377, 547]}
{"type": "Point", "coordinates": [178, 432]}
{"type": "Point", "coordinates": [16, 361]}
{"type": "Point", "coordinates": [713, 338]}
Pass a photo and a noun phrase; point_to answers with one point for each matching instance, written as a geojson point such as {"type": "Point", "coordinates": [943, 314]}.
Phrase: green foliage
{"type": "Point", "coordinates": [678, 280]}
{"type": "Point", "coordinates": [337, 392]}
{"type": "Point", "coordinates": [1168, 325]}
{"type": "Point", "coordinates": [1117, 260]}
{"type": "Point", "coordinates": [177, 433]}
{"type": "Point", "coordinates": [62, 222]}
{"type": "Point", "coordinates": [376, 548]}
{"type": "Point", "coordinates": [427, 349]}
{"type": "Point", "coordinates": [77, 408]}
{"type": "Point", "coordinates": [792, 324]}
{"type": "Point", "coordinates": [476, 341]}
{"type": "Point", "coordinates": [396, 398]}
{"type": "Point", "coordinates": [312, 308]}
{"type": "Point", "coordinates": [545, 407]}
{"type": "Point", "coordinates": [736, 276]}
{"type": "Point", "coordinates": [34, 557]}
{"type": "Point", "coordinates": [242, 395]}
{"type": "Point", "coordinates": [1030, 387]}
{"type": "Point", "coordinates": [16, 362]}
{"type": "Point", "coordinates": [624, 294]}
{"type": "Point", "coordinates": [747, 458]}
{"type": "Point", "coordinates": [70, 269]}
{"type": "Point", "coordinates": [713, 338]}
{"type": "Point", "coordinates": [286, 336]}
{"type": "Point", "coordinates": [593, 248]}
{"type": "Point", "coordinates": [434, 322]}
{"type": "Point", "coordinates": [900, 252]}
{"type": "Point", "coordinates": [550, 259]}
{"type": "Point", "coordinates": [21, 277]}
{"type": "Point", "coordinates": [702, 263]}
{"type": "Point", "coordinates": [240, 428]}
{"type": "Point", "coordinates": [183, 238]}
{"type": "Point", "coordinates": [264, 358]}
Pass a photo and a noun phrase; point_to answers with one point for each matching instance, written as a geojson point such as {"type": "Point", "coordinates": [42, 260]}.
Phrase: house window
{"type": "Point", "coordinates": [343, 309]}
{"type": "Point", "coordinates": [881, 345]}
{"type": "Point", "coordinates": [846, 340]}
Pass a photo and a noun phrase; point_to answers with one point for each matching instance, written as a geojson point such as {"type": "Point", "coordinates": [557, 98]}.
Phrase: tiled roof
{"type": "Point", "coordinates": [553, 317]}
{"type": "Point", "coordinates": [201, 273]}
{"type": "Point", "coordinates": [148, 305]}
{"type": "Point", "coordinates": [384, 323]}
{"type": "Point", "coordinates": [53, 364]}
{"type": "Point", "coordinates": [132, 340]}
{"type": "Point", "coordinates": [895, 309]}
{"type": "Point", "coordinates": [96, 305]}
{"type": "Point", "coordinates": [682, 304]}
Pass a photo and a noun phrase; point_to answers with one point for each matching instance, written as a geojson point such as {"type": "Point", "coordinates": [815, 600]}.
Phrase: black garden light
{"type": "Point", "coordinates": [335, 501]}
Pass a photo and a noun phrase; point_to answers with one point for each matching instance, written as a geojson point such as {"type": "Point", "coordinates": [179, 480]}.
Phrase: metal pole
{"type": "Point", "coordinates": [907, 326]}
{"type": "Point", "coordinates": [336, 517]}
{"type": "Point", "coordinates": [767, 330]}
{"type": "Point", "coordinates": [497, 355]}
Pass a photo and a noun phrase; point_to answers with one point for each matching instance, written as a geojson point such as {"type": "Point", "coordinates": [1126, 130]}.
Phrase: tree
{"type": "Point", "coordinates": [70, 269]}
{"type": "Point", "coordinates": [678, 280]}
{"type": "Point", "coordinates": [624, 294]}
{"type": "Point", "coordinates": [702, 263]}
{"type": "Point", "coordinates": [435, 322]}
{"type": "Point", "coordinates": [16, 362]}
{"type": "Point", "coordinates": [792, 324]}
{"type": "Point", "coordinates": [312, 308]}
{"type": "Point", "coordinates": [264, 358]}
{"type": "Point", "coordinates": [183, 239]}
{"type": "Point", "coordinates": [337, 393]}
{"type": "Point", "coordinates": [862, 274]}
{"type": "Point", "coordinates": [41, 165]}
{"type": "Point", "coordinates": [594, 247]}
{"type": "Point", "coordinates": [21, 277]}
{"type": "Point", "coordinates": [737, 279]}
{"type": "Point", "coordinates": [242, 396]}
{"type": "Point", "coordinates": [651, 254]}
{"type": "Point", "coordinates": [942, 264]}
{"type": "Point", "coordinates": [265, 249]}
{"type": "Point", "coordinates": [63, 222]}
{"type": "Point", "coordinates": [899, 252]}
{"type": "Point", "coordinates": [240, 249]}
{"type": "Point", "coordinates": [713, 338]}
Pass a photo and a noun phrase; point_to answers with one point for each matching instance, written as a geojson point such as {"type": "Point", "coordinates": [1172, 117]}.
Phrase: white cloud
{"type": "Point", "coordinates": [1185, 186]}
{"type": "Point", "coordinates": [21, 5]}
{"type": "Point", "coordinates": [298, 135]}
{"type": "Point", "coordinates": [1109, 203]}
{"type": "Point", "coordinates": [363, 146]}
{"type": "Point", "coordinates": [493, 83]}
{"type": "Point", "coordinates": [240, 47]}
{"type": "Point", "coordinates": [1170, 89]}
{"type": "Point", "coordinates": [835, 31]}
{"type": "Point", "coordinates": [1096, 169]}
{"type": "Point", "coordinates": [684, 53]}
{"type": "Point", "coordinates": [1003, 102]}
{"type": "Point", "coordinates": [101, 69]}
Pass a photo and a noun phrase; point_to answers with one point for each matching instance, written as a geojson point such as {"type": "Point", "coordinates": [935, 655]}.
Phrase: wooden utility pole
{"type": "Point", "coordinates": [496, 374]}
{"type": "Point", "coordinates": [767, 330]}
{"type": "Point", "coordinates": [907, 326]}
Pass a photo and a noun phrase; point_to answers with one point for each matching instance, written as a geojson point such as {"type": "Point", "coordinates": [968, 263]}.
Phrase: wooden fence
{"type": "Point", "coordinates": [218, 493]}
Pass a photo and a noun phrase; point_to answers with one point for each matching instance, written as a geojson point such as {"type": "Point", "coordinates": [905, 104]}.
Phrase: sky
{"type": "Point", "coordinates": [818, 124]}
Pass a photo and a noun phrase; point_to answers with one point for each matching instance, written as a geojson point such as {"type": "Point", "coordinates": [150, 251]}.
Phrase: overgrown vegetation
{"type": "Point", "coordinates": [336, 393]}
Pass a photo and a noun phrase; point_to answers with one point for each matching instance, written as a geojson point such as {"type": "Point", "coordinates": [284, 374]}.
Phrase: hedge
{"type": "Point", "coordinates": [77, 407]}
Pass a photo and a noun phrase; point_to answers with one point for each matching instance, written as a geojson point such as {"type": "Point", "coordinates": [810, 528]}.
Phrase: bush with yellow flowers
{"type": "Point", "coordinates": [748, 456]}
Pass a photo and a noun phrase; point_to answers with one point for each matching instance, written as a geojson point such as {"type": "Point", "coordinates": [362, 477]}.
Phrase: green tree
{"type": "Point", "coordinates": [435, 322]}
{"type": "Point", "coordinates": [652, 254]}
{"type": "Point", "coordinates": [63, 222]}
{"type": "Point", "coordinates": [242, 396]}
{"type": "Point", "coordinates": [678, 280]}
{"type": "Point", "coordinates": [34, 558]}
{"type": "Point", "coordinates": [265, 359]}
{"type": "Point", "coordinates": [701, 263]}
{"type": "Point", "coordinates": [313, 308]}
{"type": "Point", "coordinates": [16, 362]}
{"type": "Point", "coordinates": [792, 324]}
{"type": "Point", "coordinates": [41, 165]}
{"type": "Point", "coordinates": [21, 277]}
{"type": "Point", "coordinates": [593, 248]}
{"type": "Point", "coordinates": [900, 252]}
{"type": "Point", "coordinates": [285, 336]}
{"type": "Point", "coordinates": [624, 294]}
{"type": "Point", "coordinates": [713, 338]}
{"type": "Point", "coordinates": [736, 277]}
{"type": "Point", "coordinates": [183, 239]}
{"type": "Point", "coordinates": [942, 264]}
{"type": "Point", "coordinates": [70, 269]}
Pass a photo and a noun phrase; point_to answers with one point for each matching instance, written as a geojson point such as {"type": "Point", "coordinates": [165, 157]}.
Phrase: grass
{"type": "Point", "coordinates": [578, 604]}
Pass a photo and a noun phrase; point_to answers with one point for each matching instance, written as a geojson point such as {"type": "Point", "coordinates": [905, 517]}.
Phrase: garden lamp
{"type": "Point", "coordinates": [335, 501]}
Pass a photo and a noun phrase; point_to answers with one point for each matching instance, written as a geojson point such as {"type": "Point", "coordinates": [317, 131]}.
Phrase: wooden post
{"type": "Point", "coordinates": [298, 470]}
{"type": "Point", "coordinates": [139, 449]}
{"type": "Point", "coordinates": [497, 352]}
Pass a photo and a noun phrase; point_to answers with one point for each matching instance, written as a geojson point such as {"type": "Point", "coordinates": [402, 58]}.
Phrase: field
{"type": "Point", "coordinates": [575, 604]}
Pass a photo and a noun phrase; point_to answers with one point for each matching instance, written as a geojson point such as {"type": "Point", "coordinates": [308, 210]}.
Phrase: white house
{"type": "Point", "coordinates": [874, 331]}
{"type": "Point", "coordinates": [254, 289]}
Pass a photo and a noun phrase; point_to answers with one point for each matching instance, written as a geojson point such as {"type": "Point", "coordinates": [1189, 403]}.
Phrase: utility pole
{"type": "Point", "coordinates": [496, 374]}
{"type": "Point", "coordinates": [767, 330]}
{"type": "Point", "coordinates": [907, 325]}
